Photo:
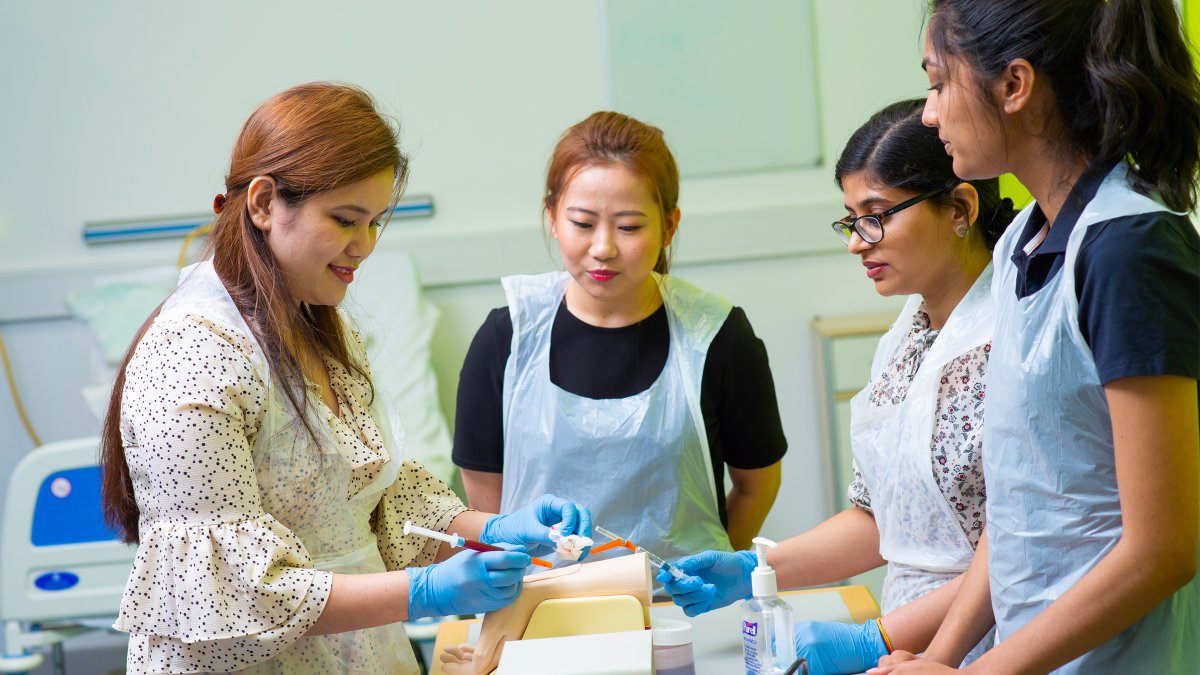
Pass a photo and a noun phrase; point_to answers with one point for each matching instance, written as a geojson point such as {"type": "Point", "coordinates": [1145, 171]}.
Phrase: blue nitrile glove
{"type": "Point", "coordinates": [715, 579]}
{"type": "Point", "coordinates": [530, 524]}
{"type": "Point", "coordinates": [466, 583]}
{"type": "Point", "coordinates": [833, 647]}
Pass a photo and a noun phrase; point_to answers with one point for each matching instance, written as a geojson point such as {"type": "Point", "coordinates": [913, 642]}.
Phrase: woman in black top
{"type": "Point", "coordinates": [621, 385]}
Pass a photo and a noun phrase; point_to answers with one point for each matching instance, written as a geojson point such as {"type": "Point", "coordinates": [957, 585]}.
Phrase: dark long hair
{"type": "Point", "coordinates": [1122, 77]}
{"type": "Point", "coordinates": [895, 150]}
{"type": "Point", "coordinates": [311, 139]}
{"type": "Point", "coordinates": [613, 138]}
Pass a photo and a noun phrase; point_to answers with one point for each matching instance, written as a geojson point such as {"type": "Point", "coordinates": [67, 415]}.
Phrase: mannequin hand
{"type": "Point", "coordinates": [715, 579]}
{"type": "Point", "coordinates": [466, 583]}
{"type": "Point", "coordinates": [833, 647]}
{"type": "Point", "coordinates": [530, 525]}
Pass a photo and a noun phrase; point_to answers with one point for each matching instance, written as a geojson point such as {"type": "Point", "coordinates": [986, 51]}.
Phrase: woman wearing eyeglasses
{"type": "Point", "coordinates": [918, 493]}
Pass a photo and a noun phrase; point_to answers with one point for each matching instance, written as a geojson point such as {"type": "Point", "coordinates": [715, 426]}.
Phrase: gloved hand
{"type": "Point", "coordinates": [466, 583]}
{"type": "Point", "coordinates": [715, 579]}
{"type": "Point", "coordinates": [530, 525]}
{"type": "Point", "coordinates": [833, 647]}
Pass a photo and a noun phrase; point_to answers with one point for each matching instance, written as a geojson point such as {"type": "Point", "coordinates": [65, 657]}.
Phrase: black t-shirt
{"type": "Point", "coordinates": [737, 393]}
{"type": "Point", "coordinates": [1137, 279]}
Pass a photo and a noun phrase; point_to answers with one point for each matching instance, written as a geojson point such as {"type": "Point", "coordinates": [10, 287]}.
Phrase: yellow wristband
{"type": "Point", "coordinates": [887, 641]}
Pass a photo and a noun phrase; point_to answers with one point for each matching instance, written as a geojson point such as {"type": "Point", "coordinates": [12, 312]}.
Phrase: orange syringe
{"type": "Point", "coordinates": [617, 540]}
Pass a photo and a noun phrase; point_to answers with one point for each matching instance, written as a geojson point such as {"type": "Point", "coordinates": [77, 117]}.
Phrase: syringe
{"type": "Point", "coordinates": [618, 540]}
{"type": "Point", "coordinates": [462, 542]}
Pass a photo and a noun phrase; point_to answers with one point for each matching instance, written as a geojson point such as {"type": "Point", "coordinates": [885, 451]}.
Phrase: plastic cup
{"type": "Point", "coordinates": [673, 647]}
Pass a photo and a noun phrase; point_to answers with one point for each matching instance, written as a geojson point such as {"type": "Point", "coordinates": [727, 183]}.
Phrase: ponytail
{"type": "Point", "coordinates": [1122, 76]}
{"type": "Point", "coordinates": [1148, 94]}
{"type": "Point", "coordinates": [994, 225]}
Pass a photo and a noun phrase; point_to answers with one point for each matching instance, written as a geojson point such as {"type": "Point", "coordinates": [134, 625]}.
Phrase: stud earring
{"type": "Point", "coordinates": [961, 230]}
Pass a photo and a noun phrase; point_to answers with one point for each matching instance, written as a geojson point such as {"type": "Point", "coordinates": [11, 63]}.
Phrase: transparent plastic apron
{"type": "Point", "coordinates": [640, 463]}
{"type": "Point", "coordinates": [305, 486]}
{"type": "Point", "coordinates": [1053, 506]}
{"type": "Point", "coordinates": [919, 534]}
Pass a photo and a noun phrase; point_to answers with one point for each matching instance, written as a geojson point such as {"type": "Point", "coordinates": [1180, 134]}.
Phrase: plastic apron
{"type": "Point", "coordinates": [919, 534]}
{"type": "Point", "coordinates": [305, 485]}
{"type": "Point", "coordinates": [1053, 506]}
{"type": "Point", "coordinates": [640, 463]}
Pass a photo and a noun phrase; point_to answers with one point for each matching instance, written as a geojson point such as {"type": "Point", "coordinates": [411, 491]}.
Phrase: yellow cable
{"type": "Point", "coordinates": [8, 371]}
{"type": "Point", "coordinates": [16, 396]}
{"type": "Point", "coordinates": [187, 242]}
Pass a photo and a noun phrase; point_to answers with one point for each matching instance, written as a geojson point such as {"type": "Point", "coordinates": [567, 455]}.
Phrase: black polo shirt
{"type": "Point", "coordinates": [1137, 279]}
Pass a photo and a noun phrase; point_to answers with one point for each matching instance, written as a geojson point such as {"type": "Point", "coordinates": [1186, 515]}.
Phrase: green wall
{"type": "Point", "coordinates": [1191, 25]}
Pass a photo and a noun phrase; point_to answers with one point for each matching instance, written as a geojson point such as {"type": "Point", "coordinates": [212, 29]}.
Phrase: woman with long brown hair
{"type": "Point", "coordinates": [244, 449]}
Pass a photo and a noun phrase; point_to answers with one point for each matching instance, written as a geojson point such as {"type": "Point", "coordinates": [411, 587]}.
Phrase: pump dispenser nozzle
{"type": "Point", "coordinates": [762, 579]}
{"type": "Point", "coordinates": [767, 624]}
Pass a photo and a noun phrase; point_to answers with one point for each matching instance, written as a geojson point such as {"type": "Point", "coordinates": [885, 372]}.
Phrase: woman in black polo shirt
{"type": "Point", "coordinates": [613, 381]}
{"type": "Point", "coordinates": [1092, 443]}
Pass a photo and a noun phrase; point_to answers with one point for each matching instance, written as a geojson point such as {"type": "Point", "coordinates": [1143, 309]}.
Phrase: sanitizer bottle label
{"type": "Point", "coordinates": [750, 647]}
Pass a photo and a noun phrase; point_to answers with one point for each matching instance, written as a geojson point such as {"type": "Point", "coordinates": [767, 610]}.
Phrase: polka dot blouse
{"type": "Point", "coordinates": [238, 530]}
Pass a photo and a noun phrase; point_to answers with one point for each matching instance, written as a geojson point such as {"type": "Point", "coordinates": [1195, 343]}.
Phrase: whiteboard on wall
{"type": "Point", "coordinates": [733, 84]}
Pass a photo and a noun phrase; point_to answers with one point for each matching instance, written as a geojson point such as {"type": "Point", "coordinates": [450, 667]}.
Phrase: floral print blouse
{"type": "Point", "coordinates": [957, 442]}
{"type": "Point", "coordinates": [223, 579]}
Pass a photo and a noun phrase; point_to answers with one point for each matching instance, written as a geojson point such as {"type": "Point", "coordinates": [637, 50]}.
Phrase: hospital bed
{"type": "Point", "coordinates": [62, 571]}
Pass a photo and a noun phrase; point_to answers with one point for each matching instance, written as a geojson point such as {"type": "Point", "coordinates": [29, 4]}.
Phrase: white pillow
{"type": "Point", "coordinates": [397, 324]}
{"type": "Point", "coordinates": [113, 308]}
{"type": "Point", "coordinates": [116, 305]}
{"type": "Point", "coordinates": [384, 302]}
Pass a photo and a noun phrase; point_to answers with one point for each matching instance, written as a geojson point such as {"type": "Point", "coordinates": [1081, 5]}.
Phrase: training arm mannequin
{"type": "Point", "coordinates": [626, 575]}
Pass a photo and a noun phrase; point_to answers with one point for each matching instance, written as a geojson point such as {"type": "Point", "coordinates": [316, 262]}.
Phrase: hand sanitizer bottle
{"type": "Point", "coordinates": [767, 641]}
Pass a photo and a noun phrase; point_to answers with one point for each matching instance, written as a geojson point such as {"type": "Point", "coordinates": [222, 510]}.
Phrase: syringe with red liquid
{"type": "Point", "coordinates": [462, 542]}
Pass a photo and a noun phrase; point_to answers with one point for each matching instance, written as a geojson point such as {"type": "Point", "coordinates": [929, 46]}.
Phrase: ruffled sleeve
{"type": "Point", "coordinates": [421, 497]}
{"type": "Point", "coordinates": [217, 583]}
{"type": "Point", "coordinates": [857, 492]}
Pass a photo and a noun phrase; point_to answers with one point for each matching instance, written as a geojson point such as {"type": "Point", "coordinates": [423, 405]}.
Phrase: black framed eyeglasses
{"type": "Point", "coordinates": [870, 227]}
